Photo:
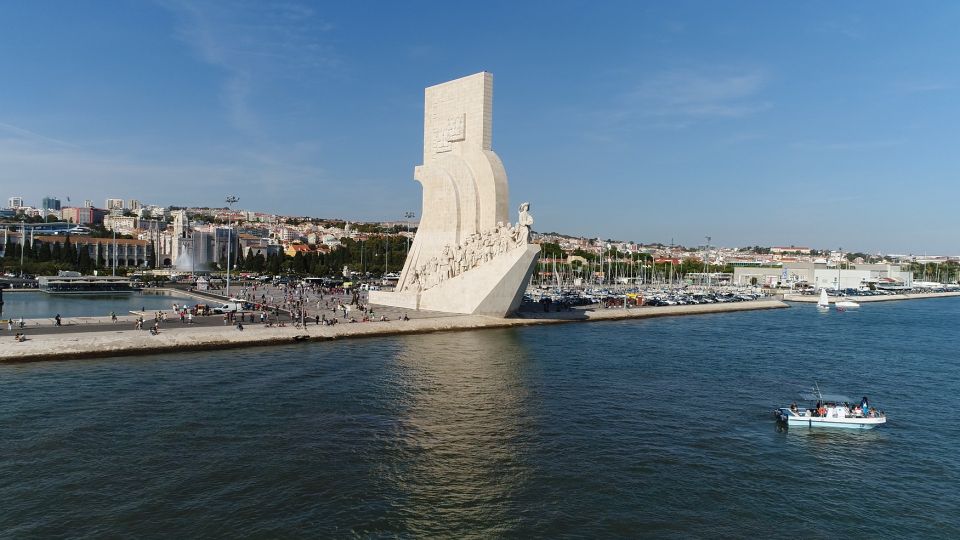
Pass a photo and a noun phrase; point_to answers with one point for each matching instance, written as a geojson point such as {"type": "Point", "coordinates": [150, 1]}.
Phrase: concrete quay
{"type": "Point", "coordinates": [112, 340]}
{"type": "Point", "coordinates": [812, 299]}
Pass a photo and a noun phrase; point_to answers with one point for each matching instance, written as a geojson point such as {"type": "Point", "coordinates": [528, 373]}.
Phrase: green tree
{"type": "Point", "coordinates": [239, 259]}
{"type": "Point", "coordinates": [66, 252]}
{"type": "Point", "coordinates": [551, 250]}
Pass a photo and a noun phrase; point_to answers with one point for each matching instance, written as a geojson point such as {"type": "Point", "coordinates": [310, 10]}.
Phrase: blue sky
{"type": "Point", "coordinates": [823, 123]}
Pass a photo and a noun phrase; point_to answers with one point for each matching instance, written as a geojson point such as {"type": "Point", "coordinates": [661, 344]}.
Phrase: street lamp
{"type": "Point", "coordinates": [231, 200]}
{"type": "Point", "coordinates": [706, 261]}
{"type": "Point", "coordinates": [23, 241]}
{"type": "Point", "coordinates": [409, 216]}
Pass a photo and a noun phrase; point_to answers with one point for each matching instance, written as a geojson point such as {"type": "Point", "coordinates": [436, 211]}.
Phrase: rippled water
{"type": "Point", "coordinates": [660, 427]}
{"type": "Point", "coordinates": [31, 305]}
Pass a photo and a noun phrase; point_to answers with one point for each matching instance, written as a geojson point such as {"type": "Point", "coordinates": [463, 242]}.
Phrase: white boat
{"type": "Point", "coordinates": [830, 411]}
{"type": "Point", "coordinates": [823, 302]}
{"type": "Point", "coordinates": [846, 304]}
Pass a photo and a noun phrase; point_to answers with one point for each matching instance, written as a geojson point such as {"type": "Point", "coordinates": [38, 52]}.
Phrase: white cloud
{"type": "Point", "coordinates": [920, 86]}
{"type": "Point", "coordinates": [35, 165]}
{"type": "Point", "coordinates": [681, 97]}
{"type": "Point", "coordinates": [848, 145]}
{"type": "Point", "coordinates": [253, 43]}
{"type": "Point", "coordinates": [21, 133]}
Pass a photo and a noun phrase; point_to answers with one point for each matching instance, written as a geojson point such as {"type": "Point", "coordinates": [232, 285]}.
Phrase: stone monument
{"type": "Point", "coordinates": [466, 256]}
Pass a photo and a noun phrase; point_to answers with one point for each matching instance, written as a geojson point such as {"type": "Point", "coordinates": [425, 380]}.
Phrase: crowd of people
{"type": "Point", "coordinates": [299, 305]}
{"type": "Point", "coordinates": [841, 410]}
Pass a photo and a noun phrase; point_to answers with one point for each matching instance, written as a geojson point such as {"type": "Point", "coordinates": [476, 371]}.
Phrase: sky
{"type": "Point", "coordinates": [820, 124]}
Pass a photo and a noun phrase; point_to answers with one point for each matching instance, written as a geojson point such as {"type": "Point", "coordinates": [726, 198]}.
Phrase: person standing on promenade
{"type": "Point", "coordinates": [113, 316]}
{"type": "Point", "coordinates": [57, 319]}
{"type": "Point", "coordinates": [189, 318]}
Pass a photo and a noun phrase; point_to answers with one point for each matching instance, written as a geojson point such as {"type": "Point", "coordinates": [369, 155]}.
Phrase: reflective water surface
{"type": "Point", "coordinates": [35, 305]}
{"type": "Point", "coordinates": [640, 428]}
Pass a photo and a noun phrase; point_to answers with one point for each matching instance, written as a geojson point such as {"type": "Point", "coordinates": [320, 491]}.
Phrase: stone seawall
{"type": "Point", "coordinates": [116, 342]}
{"type": "Point", "coordinates": [808, 298]}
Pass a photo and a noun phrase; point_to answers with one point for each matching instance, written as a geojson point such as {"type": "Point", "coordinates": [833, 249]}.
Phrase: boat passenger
{"type": "Point", "coordinates": [865, 405]}
{"type": "Point", "coordinates": [793, 408]}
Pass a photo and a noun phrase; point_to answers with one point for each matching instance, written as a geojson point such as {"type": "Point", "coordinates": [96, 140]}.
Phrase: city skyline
{"type": "Point", "coordinates": [759, 125]}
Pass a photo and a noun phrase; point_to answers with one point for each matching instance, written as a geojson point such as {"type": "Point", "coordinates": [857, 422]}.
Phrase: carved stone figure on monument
{"type": "Point", "coordinates": [502, 244]}
{"type": "Point", "coordinates": [433, 267]}
{"type": "Point", "coordinates": [524, 223]}
{"type": "Point", "coordinates": [423, 277]}
{"type": "Point", "coordinates": [458, 259]}
{"type": "Point", "coordinates": [470, 257]}
{"type": "Point", "coordinates": [443, 271]}
{"type": "Point", "coordinates": [414, 283]}
{"type": "Point", "coordinates": [487, 246]}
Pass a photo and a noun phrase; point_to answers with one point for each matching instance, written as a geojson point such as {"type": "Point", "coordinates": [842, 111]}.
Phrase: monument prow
{"type": "Point", "coordinates": [466, 256]}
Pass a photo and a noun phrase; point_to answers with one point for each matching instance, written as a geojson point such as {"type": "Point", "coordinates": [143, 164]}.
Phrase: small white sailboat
{"type": "Point", "coordinates": [824, 302]}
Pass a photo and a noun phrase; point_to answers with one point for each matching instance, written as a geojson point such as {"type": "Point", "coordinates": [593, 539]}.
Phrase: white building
{"type": "Point", "coordinates": [821, 275]}
{"type": "Point", "coordinates": [287, 234]}
{"type": "Point", "coordinates": [121, 224]}
{"type": "Point", "coordinates": [15, 202]}
{"type": "Point", "coordinates": [330, 240]}
{"type": "Point", "coordinates": [114, 204]}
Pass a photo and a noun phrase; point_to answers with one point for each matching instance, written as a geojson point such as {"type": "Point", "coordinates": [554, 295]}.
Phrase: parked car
{"type": "Point", "coordinates": [231, 307]}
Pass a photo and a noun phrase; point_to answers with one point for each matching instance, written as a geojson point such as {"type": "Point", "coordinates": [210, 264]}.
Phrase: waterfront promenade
{"type": "Point", "coordinates": [810, 298]}
{"type": "Point", "coordinates": [88, 338]}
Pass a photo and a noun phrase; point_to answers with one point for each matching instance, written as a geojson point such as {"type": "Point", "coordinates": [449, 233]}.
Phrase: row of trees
{"type": "Point", "coordinates": [49, 258]}
{"type": "Point", "coordinates": [376, 255]}
{"type": "Point", "coordinates": [387, 253]}
{"type": "Point", "coordinates": [945, 272]}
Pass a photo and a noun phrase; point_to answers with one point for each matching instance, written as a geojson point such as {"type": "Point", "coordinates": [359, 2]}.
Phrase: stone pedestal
{"type": "Point", "coordinates": [495, 289]}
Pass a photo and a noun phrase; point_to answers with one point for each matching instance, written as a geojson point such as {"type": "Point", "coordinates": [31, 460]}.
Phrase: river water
{"type": "Point", "coordinates": [657, 427]}
{"type": "Point", "coordinates": [35, 304]}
